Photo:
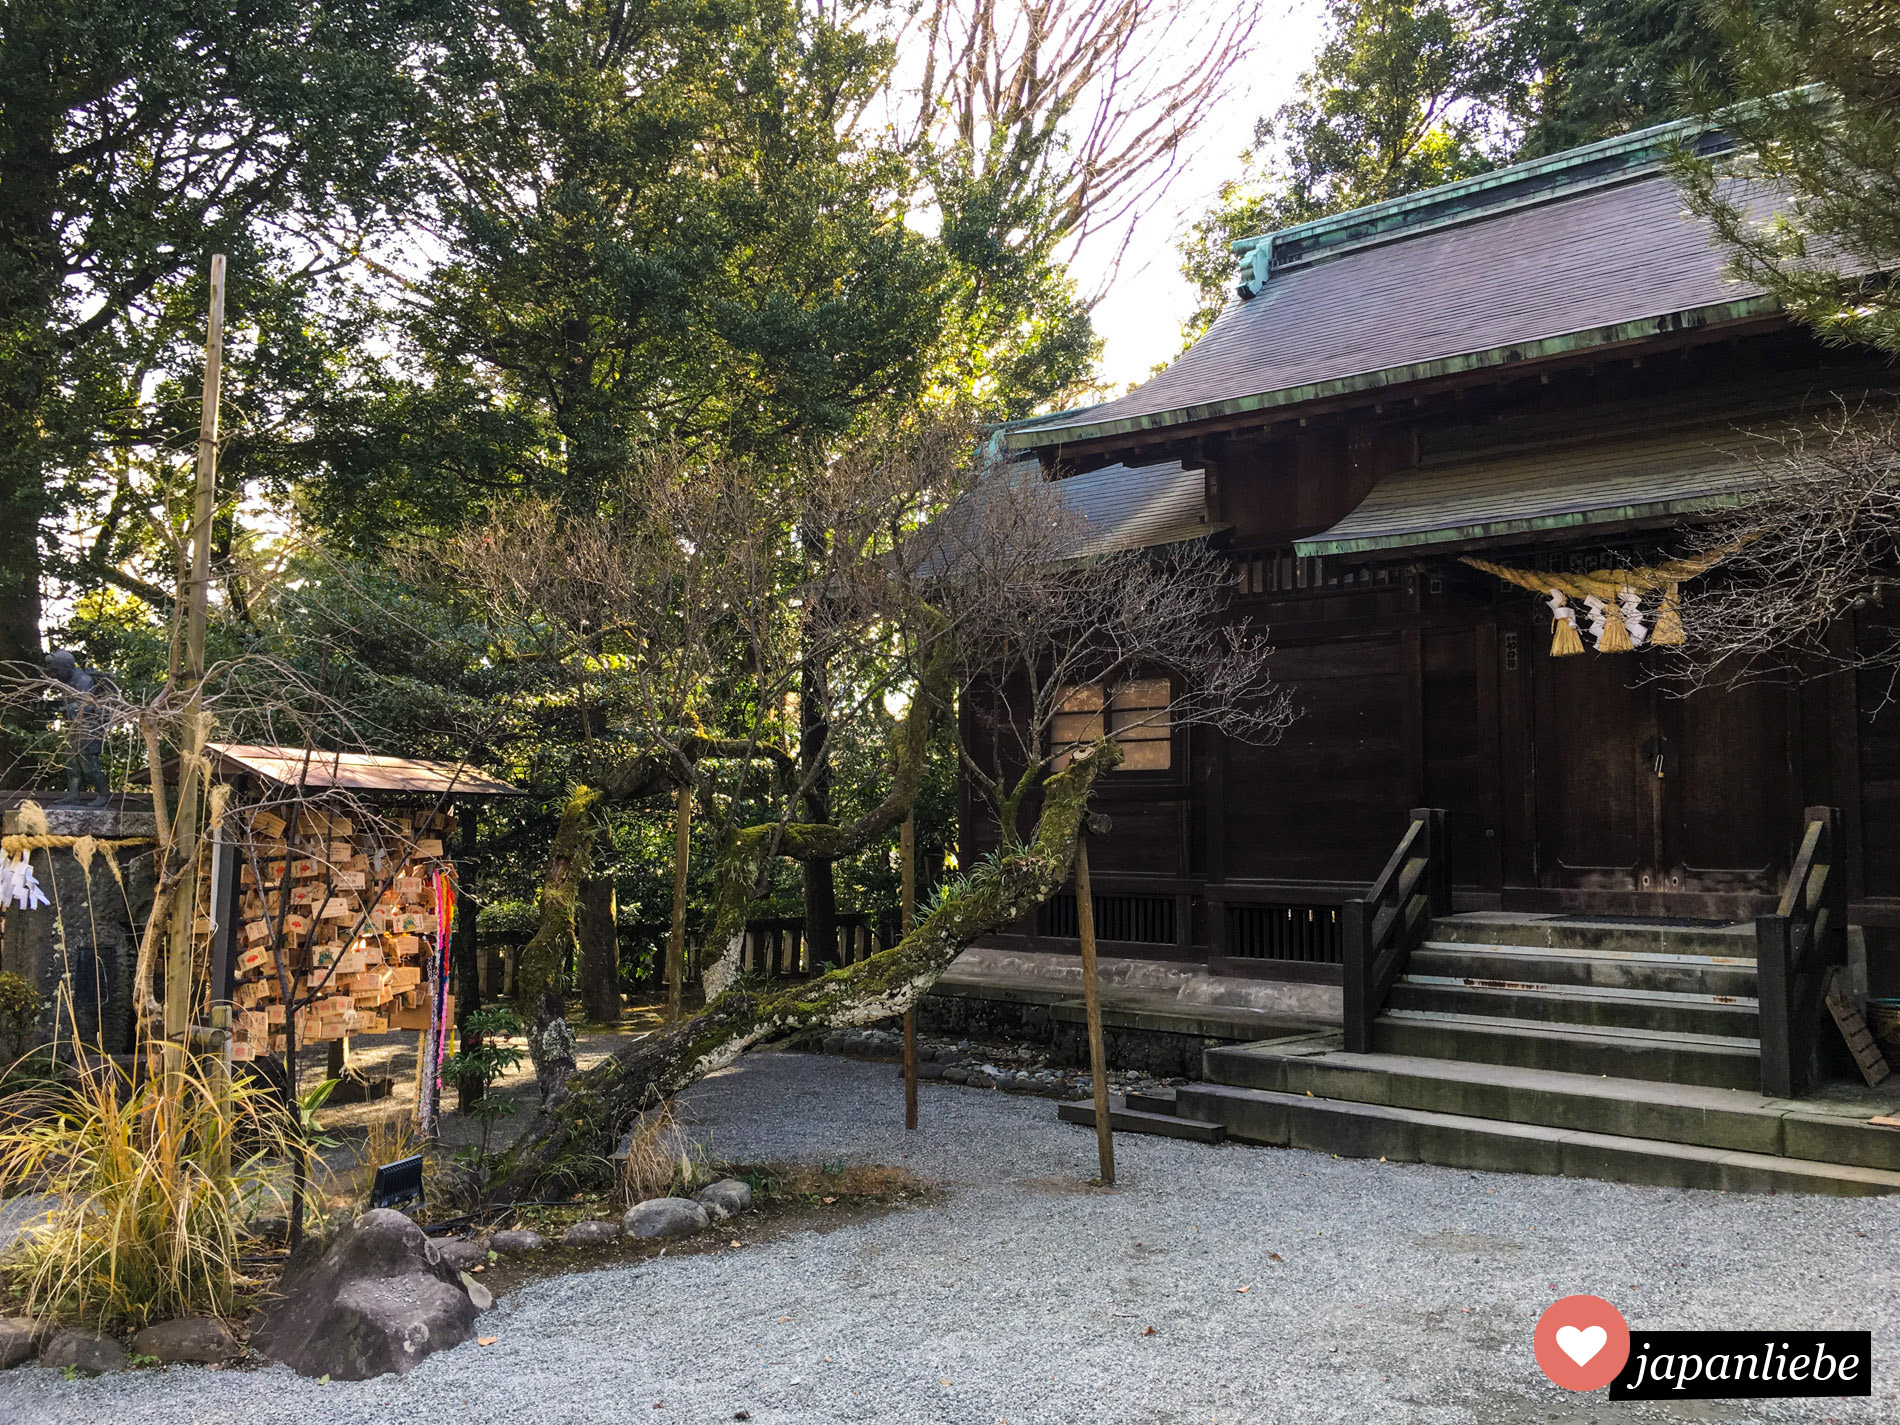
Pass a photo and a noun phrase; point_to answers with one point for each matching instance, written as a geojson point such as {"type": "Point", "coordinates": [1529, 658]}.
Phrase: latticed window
{"type": "Point", "coordinates": [1135, 715]}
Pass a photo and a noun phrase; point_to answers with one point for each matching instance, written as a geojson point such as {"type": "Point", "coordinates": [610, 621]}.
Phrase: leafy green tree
{"type": "Point", "coordinates": [659, 224]}
{"type": "Point", "coordinates": [137, 139]}
{"type": "Point", "coordinates": [1409, 94]}
{"type": "Point", "coordinates": [1388, 108]}
{"type": "Point", "coordinates": [1820, 122]}
{"type": "Point", "coordinates": [1567, 72]}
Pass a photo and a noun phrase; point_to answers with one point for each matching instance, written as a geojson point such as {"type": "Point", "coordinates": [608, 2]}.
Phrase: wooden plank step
{"type": "Point", "coordinates": [1128, 1120]}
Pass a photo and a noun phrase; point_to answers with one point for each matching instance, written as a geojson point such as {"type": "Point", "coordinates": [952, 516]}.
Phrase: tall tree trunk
{"type": "Point", "coordinates": [820, 877]}
{"type": "Point", "coordinates": [29, 358]}
{"type": "Point", "coordinates": [571, 1139]}
{"type": "Point", "coordinates": [463, 950]}
{"type": "Point", "coordinates": [541, 972]}
{"type": "Point", "coordinates": [814, 755]}
{"type": "Point", "coordinates": [600, 951]}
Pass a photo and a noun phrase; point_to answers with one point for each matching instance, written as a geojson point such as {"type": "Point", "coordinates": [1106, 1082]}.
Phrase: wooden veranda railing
{"type": "Point", "coordinates": [1796, 946]}
{"type": "Point", "coordinates": [1379, 931]}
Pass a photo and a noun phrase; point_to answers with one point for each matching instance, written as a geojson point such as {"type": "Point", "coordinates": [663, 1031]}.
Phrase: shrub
{"type": "Point", "coordinates": [19, 1012]}
{"type": "Point", "coordinates": [150, 1187]}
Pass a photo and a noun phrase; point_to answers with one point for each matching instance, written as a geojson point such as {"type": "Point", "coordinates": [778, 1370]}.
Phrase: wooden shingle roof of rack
{"type": "Point", "coordinates": [361, 772]}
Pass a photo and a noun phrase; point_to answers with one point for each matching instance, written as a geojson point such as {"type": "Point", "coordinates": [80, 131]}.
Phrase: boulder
{"type": "Point", "coordinates": [725, 1198]}
{"type": "Point", "coordinates": [463, 1252]}
{"type": "Point", "coordinates": [590, 1234]}
{"type": "Point", "coordinates": [665, 1217]}
{"type": "Point", "coordinates": [197, 1340]}
{"type": "Point", "coordinates": [379, 1298]}
{"type": "Point", "coordinates": [517, 1240]}
{"type": "Point", "coordinates": [20, 1339]}
{"type": "Point", "coordinates": [86, 1352]}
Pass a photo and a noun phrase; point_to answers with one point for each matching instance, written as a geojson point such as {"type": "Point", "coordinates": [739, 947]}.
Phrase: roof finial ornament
{"type": "Point", "coordinates": [1255, 267]}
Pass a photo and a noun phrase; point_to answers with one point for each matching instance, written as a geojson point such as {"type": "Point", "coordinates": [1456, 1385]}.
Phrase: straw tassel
{"type": "Point", "coordinates": [1631, 603]}
{"type": "Point", "coordinates": [1563, 627]}
{"type": "Point", "coordinates": [1609, 633]}
{"type": "Point", "coordinates": [1668, 630]}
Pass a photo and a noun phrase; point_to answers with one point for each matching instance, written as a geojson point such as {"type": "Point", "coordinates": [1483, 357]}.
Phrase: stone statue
{"type": "Point", "coordinates": [85, 726]}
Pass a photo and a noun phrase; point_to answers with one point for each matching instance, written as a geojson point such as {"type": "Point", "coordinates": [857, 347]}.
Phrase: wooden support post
{"type": "Point", "coordinates": [179, 959]}
{"type": "Point", "coordinates": [1092, 1000]}
{"type": "Point", "coordinates": [676, 941]}
{"type": "Point", "coordinates": [907, 858]}
{"type": "Point", "coordinates": [220, 1072]}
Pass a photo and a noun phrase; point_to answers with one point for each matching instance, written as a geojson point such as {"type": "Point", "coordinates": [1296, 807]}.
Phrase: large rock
{"type": "Point", "coordinates": [197, 1340]}
{"type": "Point", "coordinates": [725, 1198]}
{"type": "Point", "coordinates": [463, 1252]}
{"type": "Point", "coordinates": [590, 1233]}
{"type": "Point", "coordinates": [665, 1217]}
{"type": "Point", "coordinates": [86, 1353]}
{"type": "Point", "coordinates": [517, 1240]}
{"type": "Point", "coordinates": [20, 1339]}
{"type": "Point", "coordinates": [379, 1299]}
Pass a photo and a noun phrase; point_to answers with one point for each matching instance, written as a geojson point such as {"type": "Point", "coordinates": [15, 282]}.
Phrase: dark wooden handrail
{"type": "Point", "coordinates": [1379, 931]}
{"type": "Point", "coordinates": [1796, 946]}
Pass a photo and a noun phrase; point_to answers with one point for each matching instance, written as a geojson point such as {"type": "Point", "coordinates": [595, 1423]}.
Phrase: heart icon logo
{"type": "Point", "coordinates": [1582, 1346]}
{"type": "Point", "coordinates": [1581, 1342]}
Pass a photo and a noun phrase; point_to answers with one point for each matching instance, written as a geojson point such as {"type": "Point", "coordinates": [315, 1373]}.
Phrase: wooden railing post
{"type": "Point", "coordinates": [1355, 954]}
{"type": "Point", "coordinates": [1796, 945]}
{"type": "Point", "coordinates": [1437, 860]}
{"type": "Point", "coordinates": [1378, 930]}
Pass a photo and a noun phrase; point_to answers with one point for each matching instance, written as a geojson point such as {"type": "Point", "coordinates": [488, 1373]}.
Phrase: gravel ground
{"type": "Point", "coordinates": [1388, 1293]}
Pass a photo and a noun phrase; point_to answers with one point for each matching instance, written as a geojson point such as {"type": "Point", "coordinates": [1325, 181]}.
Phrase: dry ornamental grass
{"type": "Point", "coordinates": [150, 1187]}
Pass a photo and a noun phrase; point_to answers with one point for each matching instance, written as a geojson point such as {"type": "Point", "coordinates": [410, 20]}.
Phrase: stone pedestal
{"type": "Point", "coordinates": [80, 949]}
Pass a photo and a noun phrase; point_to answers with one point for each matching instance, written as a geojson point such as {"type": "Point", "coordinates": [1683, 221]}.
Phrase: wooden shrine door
{"type": "Point", "coordinates": [1651, 803]}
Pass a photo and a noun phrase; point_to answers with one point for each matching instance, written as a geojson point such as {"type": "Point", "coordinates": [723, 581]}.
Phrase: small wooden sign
{"type": "Point", "coordinates": [1860, 1039]}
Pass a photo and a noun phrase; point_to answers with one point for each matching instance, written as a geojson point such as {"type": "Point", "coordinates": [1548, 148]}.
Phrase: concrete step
{"type": "Point", "coordinates": [1599, 969]}
{"type": "Point", "coordinates": [1140, 1102]}
{"type": "Point", "coordinates": [1717, 1061]}
{"type": "Point", "coordinates": [1568, 1004]}
{"type": "Point", "coordinates": [1732, 1119]}
{"type": "Point", "coordinates": [1408, 1135]}
{"type": "Point", "coordinates": [1122, 1119]}
{"type": "Point", "coordinates": [1632, 936]}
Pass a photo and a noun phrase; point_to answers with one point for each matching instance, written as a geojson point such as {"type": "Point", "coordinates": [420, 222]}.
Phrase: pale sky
{"type": "Point", "coordinates": [1140, 318]}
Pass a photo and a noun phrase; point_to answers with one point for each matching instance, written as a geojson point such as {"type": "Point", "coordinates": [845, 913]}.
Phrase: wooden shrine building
{"type": "Point", "coordinates": [1547, 369]}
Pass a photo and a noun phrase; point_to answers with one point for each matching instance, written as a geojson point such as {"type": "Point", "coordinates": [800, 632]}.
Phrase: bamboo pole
{"type": "Point", "coordinates": [178, 960]}
{"type": "Point", "coordinates": [676, 941]}
{"type": "Point", "coordinates": [907, 858]}
{"type": "Point", "coordinates": [1092, 999]}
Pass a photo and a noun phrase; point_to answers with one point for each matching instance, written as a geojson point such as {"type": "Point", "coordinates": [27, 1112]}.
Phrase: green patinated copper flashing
{"type": "Point", "coordinates": [1497, 529]}
{"type": "Point", "coordinates": [1611, 160]}
{"type": "Point", "coordinates": [1622, 333]}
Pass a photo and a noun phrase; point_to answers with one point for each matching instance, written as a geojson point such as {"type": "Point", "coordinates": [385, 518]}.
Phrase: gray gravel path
{"type": "Point", "coordinates": [1400, 1294]}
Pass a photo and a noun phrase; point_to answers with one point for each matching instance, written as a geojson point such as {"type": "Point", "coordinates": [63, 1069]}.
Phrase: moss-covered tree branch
{"type": "Point", "coordinates": [744, 860]}
{"type": "Point", "coordinates": [570, 1141]}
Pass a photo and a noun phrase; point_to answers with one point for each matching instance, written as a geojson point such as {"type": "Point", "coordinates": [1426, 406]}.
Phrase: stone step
{"type": "Point", "coordinates": [1641, 937]}
{"type": "Point", "coordinates": [1717, 1061]}
{"type": "Point", "coordinates": [1408, 1135]}
{"type": "Point", "coordinates": [1567, 1004]}
{"type": "Point", "coordinates": [1141, 1102]}
{"type": "Point", "coordinates": [1734, 1119]}
{"type": "Point", "coordinates": [1598, 969]}
{"type": "Point", "coordinates": [1127, 1120]}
